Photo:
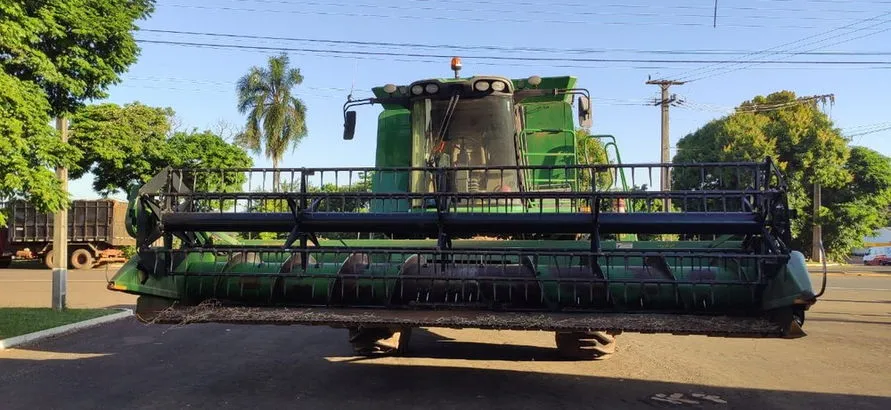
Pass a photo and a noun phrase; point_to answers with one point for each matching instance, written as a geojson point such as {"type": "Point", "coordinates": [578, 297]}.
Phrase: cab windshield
{"type": "Point", "coordinates": [479, 133]}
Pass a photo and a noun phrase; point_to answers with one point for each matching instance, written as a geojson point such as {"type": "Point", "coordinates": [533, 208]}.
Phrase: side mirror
{"type": "Point", "coordinates": [585, 117]}
{"type": "Point", "coordinates": [349, 125]}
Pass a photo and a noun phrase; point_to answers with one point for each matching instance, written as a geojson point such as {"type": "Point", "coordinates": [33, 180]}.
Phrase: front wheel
{"type": "Point", "coordinates": [596, 345]}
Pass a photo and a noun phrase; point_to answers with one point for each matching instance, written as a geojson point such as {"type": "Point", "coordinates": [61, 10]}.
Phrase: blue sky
{"type": "Point", "coordinates": [198, 82]}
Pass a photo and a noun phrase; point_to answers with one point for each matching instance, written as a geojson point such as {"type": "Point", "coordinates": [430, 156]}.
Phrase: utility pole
{"type": "Point", "coordinates": [817, 250]}
{"type": "Point", "coordinates": [665, 101]}
{"type": "Point", "coordinates": [60, 232]}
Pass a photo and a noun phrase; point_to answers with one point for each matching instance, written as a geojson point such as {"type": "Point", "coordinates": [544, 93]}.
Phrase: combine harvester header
{"type": "Point", "coordinates": [481, 212]}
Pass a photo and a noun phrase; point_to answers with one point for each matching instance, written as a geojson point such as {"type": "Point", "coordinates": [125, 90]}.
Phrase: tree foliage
{"type": "Point", "coordinates": [207, 150]}
{"type": "Point", "coordinates": [125, 146]}
{"type": "Point", "coordinates": [329, 200]}
{"type": "Point", "coordinates": [55, 54]}
{"type": "Point", "coordinates": [592, 151]}
{"type": "Point", "coordinates": [807, 148]}
{"type": "Point", "coordinates": [859, 207]}
{"type": "Point", "coordinates": [276, 118]}
{"type": "Point", "coordinates": [122, 145]}
{"type": "Point", "coordinates": [29, 148]}
{"type": "Point", "coordinates": [72, 49]}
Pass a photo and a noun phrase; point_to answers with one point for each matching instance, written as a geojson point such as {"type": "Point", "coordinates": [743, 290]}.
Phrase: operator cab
{"type": "Point", "coordinates": [470, 127]}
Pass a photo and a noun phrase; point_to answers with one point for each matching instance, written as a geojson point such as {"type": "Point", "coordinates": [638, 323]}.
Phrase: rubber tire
{"type": "Point", "coordinates": [363, 340]}
{"type": "Point", "coordinates": [596, 345]}
{"type": "Point", "coordinates": [82, 258]}
{"type": "Point", "coordinates": [5, 262]}
{"type": "Point", "coordinates": [48, 259]}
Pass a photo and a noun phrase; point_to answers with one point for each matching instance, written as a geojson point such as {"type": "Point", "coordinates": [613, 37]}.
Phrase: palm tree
{"type": "Point", "coordinates": [276, 118]}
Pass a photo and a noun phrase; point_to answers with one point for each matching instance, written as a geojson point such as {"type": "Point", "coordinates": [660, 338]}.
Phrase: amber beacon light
{"type": "Point", "coordinates": [456, 65]}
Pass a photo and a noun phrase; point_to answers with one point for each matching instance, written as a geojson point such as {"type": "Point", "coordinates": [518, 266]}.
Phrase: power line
{"type": "Point", "coordinates": [648, 6]}
{"type": "Point", "coordinates": [487, 47]}
{"type": "Point", "coordinates": [584, 10]}
{"type": "Point", "coordinates": [867, 131]}
{"type": "Point", "coordinates": [868, 126]}
{"type": "Point", "coordinates": [507, 58]}
{"type": "Point", "coordinates": [587, 6]}
{"type": "Point", "coordinates": [500, 19]}
{"type": "Point", "coordinates": [828, 45]}
{"type": "Point", "coordinates": [710, 68]}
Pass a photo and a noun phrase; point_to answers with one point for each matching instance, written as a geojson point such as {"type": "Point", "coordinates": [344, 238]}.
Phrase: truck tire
{"type": "Point", "coordinates": [596, 345]}
{"type": "Point", "coordinates": [5, 262]}
{"type": "Point", "coordinates": [48, 259]}
{"type": "Point", "coordinates": [82, 258]}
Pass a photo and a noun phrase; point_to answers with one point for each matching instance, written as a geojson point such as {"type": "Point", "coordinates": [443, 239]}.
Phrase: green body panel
{"type": "Point", "coordinates": [253, 282]}
{"type": "Point", "coordinates": [394, 149]}
{"type": "Point", "coordinates": [791, 286]}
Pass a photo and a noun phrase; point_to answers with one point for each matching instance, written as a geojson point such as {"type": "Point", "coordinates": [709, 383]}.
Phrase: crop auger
{"type": "Point", "coordinates": [481, 212]}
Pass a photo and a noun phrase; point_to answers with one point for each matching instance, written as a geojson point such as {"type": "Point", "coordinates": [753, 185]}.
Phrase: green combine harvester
{"type": "Point", "coordinates": [480, 212]}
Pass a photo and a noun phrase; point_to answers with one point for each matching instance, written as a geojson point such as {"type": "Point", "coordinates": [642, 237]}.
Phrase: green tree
{"type": "Point", "coordinates": [122, 145]}
{"type": "Point", "coordinates": [125, 146]}
{"type": "Point", "coordinates": [73, 49]}
{"type": "Point", "coordinates": [591, 151]}
{"type": "Point", "coordinates": [276, 118]}
{"type": "Point", "coordinates": [806, 147]}
{"type": "Point", "coordinates": [859, 208]}
{"type": "Point", "coordinates": [208, 151]}
{"type": "Point", "coordinates": [29, 148]}
{"type": "Point", "coordinates": [64, 52]}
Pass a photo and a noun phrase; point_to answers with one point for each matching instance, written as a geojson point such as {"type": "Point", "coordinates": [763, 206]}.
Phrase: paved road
{"type": "Point", "coordinates": [33, 288]}
{"type": "Point", "coordinates": [845, 362]}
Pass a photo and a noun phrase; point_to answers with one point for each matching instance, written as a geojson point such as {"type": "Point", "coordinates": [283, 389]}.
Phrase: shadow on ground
{"type": "Point", "coordinates": [130, 365]}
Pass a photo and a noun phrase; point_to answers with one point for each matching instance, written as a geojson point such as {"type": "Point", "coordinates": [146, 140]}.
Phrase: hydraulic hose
{"type": "Point", "coordinates": [823, 258]}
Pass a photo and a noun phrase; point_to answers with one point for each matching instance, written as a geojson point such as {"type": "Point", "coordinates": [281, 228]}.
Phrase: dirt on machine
{"type": "Point", "coordinates": [482, 211]}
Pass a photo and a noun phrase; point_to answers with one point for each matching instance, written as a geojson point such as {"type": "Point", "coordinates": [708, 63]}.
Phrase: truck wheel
{"type": "Point", "coordinates": [81, 259]}
{"type": "Point", "coordinates": [596, 345]}
{"type": "Point", "coordinates": [48, 259]}
{"type": "Point", "coordinates": [5, 262]}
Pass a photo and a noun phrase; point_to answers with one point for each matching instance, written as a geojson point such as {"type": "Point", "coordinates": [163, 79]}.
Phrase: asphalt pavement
{"type": "Point", "coordinates": [844, 362]}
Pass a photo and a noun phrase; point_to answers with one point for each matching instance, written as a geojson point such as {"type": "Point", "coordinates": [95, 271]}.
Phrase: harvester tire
{"type": "Point", "coordinates": [597, 345]}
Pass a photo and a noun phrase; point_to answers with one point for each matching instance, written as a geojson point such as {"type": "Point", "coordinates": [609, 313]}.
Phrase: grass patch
{"type": "Point", "coordinates": [20, 321]}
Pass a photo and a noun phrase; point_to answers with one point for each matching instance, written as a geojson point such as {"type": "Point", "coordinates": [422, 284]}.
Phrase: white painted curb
{"type": "Point", "coordinates": [42, 334]}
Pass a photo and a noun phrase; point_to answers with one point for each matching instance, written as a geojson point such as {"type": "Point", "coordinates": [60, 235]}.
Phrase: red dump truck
{"type": "Point", "coordinates": [97, 233]}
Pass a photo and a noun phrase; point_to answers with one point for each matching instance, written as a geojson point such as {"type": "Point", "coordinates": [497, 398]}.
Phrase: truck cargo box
{"type": "Point", "coordinates": [94, 221]}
